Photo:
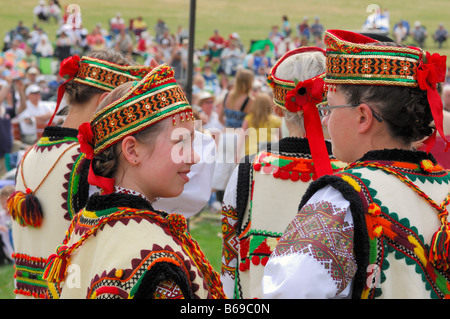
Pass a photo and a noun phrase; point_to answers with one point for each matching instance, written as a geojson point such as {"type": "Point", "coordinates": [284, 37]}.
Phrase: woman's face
{"type": "Point", "coordinates": [164, 168]}
{"type": "Point", "coordinates": [341, 127]}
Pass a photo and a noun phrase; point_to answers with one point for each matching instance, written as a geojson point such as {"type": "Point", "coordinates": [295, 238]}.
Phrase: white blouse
{"type": "Point", "coordinates": [322, 264]}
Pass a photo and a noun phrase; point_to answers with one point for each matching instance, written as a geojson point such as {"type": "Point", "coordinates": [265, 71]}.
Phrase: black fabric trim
{"type": "Point", "coordinates": [397, 155]}
{"type": "Point", "coordinates": [81, 197]}
{"type": "Point", "coordinates": [163, 271]}
{"type": "Point", "coordinates": [243, 189]}
{"type": "Point", "coordinates": [296, 145]}
{"type": "Point", "coordinates": [99, 202]}
{"type": "Point", "coordinates": [55, 133]}
{"type": "Point", "coordinates": [361, 237]}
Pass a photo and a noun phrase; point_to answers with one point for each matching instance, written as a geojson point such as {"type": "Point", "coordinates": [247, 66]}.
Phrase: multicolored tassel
{"type": "Point", "coordinates": [25, 208]}
{"type": "Point", "coordinates": [56, 268]}
{"type": "Point", "coordinates": [440, 245]}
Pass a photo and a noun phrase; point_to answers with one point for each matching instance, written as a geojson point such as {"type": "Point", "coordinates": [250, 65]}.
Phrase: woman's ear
{"type": "Point", "coordinates": [131, 150]}
{"type": "Point", "coordinates": [366, 118]}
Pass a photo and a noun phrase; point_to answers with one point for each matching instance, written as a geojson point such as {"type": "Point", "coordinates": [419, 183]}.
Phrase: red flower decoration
{"type": "Point", "coordinates": [86, 139]}
{"type": "Point", "coordinates": [69, 67]}
{"type": "Point", "coordinates": [431, 72]}
{"type": "Point", "coordinates": [309, 91]}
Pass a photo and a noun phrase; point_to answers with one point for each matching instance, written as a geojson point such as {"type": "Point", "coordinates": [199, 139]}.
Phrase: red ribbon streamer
{"type": "Point", "coordinates": [68, 69]}
{"type": "Point", "coordinates": [306, 102]}
{"type": "Point", "coordinates": [428, 75]}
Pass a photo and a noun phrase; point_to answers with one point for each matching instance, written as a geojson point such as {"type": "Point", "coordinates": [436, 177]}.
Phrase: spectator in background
{"type": "Point", "coordinates": [400, 32]}
{"type": "Point", "coordinates": [64, 46]}
{"type": "Point", "coordinates": [419, 34]}
{"type": "Point", "coordinates": [31, 75]}
{"type": "Point", "coordinates": [54, 11]}
{"type": "Point", "coordinates": [30, 58]}
{"type": "Point", "coordinates": [208, 113]}
{"type": "Point", "coordinates": [217, 39]}
{"type": "Point", "coordinates": [44, 48]}
{"type": "Point", "coordinates": [138, 26]}
{"type": "Point", "coordinates": [440, 35]}
{"type": "Point", "coordinates": [231, 57]}
{"type": "Point", "coordinates": [95, 40]}
{"type": "Point", "coordinates": [123, 43]}
{"type": "Point", "coordinates": [286, 28]}
{"type": "Point", "coordinates": [17, 50]}
{"type": "Point", "coordinates": [317, 30]}
{"type": "Point", "coordinates": [116, 24]}
{"type": "Point", "coordinates": [304, 32]}
{"type": "Point", "coordinates": [7, 112]}
{"type": "Point", "coordinates": [40, 12]}
{"type": "Point", "coordinates": [275, 36]}
{"type": "Point", "coordinates": [160, 27]}
{"type": "Point", "coordinates": [36, 113]}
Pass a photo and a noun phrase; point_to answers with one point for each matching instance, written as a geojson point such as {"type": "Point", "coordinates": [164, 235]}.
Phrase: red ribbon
{"type": "Point", "coordinates": [68, 69]}
{"type": "Point", "coordinates": [428, 75]}
{"type": "Point", "coordinates": [304, 97]}
{"type": "Point", "coordinates": [86, 139]}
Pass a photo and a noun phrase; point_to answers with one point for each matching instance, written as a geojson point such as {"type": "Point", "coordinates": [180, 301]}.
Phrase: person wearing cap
{"type": "Point", "coordinates": [140, 143]}
{"type": "Point", "coordinates": [264, 190]}
{"type": "Point", "coordinates": [378, 228]}
{"type": "Point", "coordinates": [34, 116]}
{"type": "Point", "coordinates": [51, 183]}
{"type": "Point", "coordinates": [208, 114]}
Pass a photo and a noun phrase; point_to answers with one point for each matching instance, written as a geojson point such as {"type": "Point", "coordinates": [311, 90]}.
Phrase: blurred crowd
{"type": "Point", "coordinates": [30, 60]}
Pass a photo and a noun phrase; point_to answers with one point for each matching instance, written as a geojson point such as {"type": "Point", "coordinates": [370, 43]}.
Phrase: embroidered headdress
{"type": "Point", "coordinates": [152, 99]}
{"type": "Point", "coordinates": [353, 58]}
{"type": "Point", "coordinates": [96, 73]}
{"type": "Point", "coordinates": [295, 96]}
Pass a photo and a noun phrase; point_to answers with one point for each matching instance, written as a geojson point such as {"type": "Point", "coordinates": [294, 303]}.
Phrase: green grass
{"type": "Point", "coordinates": [6, 282]}
{"type": "Point", "coordinates": [206, 228]}
{"type": "Point", "coordinates": [252, 19]}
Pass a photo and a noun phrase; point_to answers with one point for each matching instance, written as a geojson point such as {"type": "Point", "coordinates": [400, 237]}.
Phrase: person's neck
{"type": "Point", "coordinates": [79, 114]}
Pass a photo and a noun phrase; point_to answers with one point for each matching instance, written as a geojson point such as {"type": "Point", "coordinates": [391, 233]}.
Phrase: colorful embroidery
{"type": "Point", "coordinates": [28, 276]}
{"type": "Point", "coordinates": [256, 248]}
{"type": "Point", "coordinates": [123, 283]}
{"type": "Point", "coordinates": [361, 63]}
{"type": "Point", "coordinates": [320, 231]}
{"type": "Point", "coordinates": [168, 290]}
{"type": "Point", "coordinates": [390, 236]}
{"type": "Point", "coordinates": [284, 167]}
{"type": "Point", "coordinates": [230, 241]}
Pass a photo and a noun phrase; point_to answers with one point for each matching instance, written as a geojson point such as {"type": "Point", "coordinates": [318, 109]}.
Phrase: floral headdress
{"type": "Point", "coordinates": [154, 98]}
{"type": "Point", "coordinates": [96, 73]}
{"type": "Point", "coordinates": [352, 58]}
{"type": "Point", "coordinates": [295, 96]}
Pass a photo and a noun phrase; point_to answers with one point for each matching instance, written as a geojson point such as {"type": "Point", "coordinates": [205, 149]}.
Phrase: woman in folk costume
{"type": "Point", "coordinates": [263, 193]}
{"type": "Point", "coordinates": [118, 246]}
{"type": "Point", "coordinates": [378, 228]}
{"type": "Point", "coordinates": [51, 183]}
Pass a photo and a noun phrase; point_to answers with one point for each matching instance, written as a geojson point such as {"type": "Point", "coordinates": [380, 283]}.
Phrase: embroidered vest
{"type": "Point", "coordinates": [63, 192]}
{"type": "Point", "coordinates": [109, 252]}
{"type": "Point", "coordinates": [394, 252]}
{"type": "Point", "coordinates": [276, 185]}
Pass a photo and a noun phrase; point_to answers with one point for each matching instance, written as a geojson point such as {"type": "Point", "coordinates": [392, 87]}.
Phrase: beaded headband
{"type": "Point", "coordinates": [304, 96]}
{"type": "Point", "coordinates": [96, 73]}
{"type": "Point", "coordinates": [352, 58]}
{"type": "Point", "coordinates": [152, 99]}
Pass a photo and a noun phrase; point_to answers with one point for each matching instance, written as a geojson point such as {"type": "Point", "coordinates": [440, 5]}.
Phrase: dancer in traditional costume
{"type": "Point", "coordinates": [119, 246]}
{"type": "Point", "coordinates": [379, 228]}
{"type": "Point", "coordinates": [51, 185]}
{"type": "Point", "coordinates": [263, 193]}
